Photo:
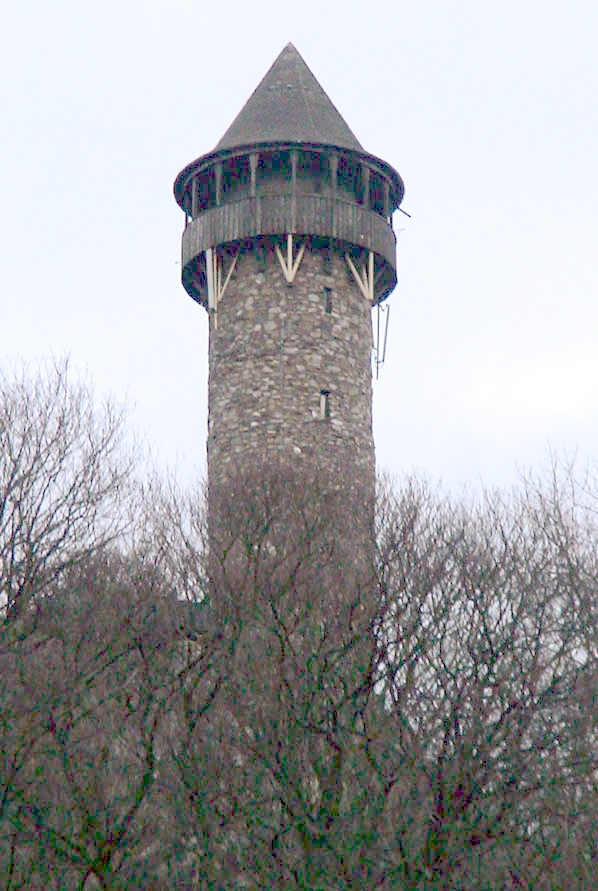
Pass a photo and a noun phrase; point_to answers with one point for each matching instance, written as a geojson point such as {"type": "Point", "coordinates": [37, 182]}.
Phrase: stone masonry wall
{"type": "Point", "coordinates": [273, 349]}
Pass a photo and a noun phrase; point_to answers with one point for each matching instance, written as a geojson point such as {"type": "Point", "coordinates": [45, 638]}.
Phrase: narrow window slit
{"type": "Point", "coordinates": [324, 404]}
{"type": "Point", "coordinates": [328, 300]}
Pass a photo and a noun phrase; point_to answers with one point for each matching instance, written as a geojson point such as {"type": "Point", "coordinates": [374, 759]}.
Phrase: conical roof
{"type": "Point", "coordinates": [289, 105]}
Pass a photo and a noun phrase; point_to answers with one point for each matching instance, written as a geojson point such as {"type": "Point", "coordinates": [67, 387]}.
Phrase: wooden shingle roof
{"type": "Point", "coordinates": [288, 106]}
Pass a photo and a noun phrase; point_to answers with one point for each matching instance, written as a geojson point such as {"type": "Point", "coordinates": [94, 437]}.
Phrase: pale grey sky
{"type": "Point", "coordinates": [488, 111]}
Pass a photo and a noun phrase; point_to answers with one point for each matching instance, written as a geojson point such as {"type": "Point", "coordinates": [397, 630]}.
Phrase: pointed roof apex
{"type": "Point", "coordinates": [289, 105]}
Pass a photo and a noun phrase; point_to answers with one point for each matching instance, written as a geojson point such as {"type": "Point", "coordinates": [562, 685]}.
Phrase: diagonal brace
{"type": "Point", "coordinates": [289, 265]}
{"type": "Point", "coordinates": [365, 279]}
{"type": "Point", "coordinates": [216, 286]}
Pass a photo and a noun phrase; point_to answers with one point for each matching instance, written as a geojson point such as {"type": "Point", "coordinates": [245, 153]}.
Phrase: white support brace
{"type": "Point", "coordinates": [289, 265]}
{"type": "Point", "coordinates": [216, 287]}
{"type": "Point", "coordinates": [365, 280]}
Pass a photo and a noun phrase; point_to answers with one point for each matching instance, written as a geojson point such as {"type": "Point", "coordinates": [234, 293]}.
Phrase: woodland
{"type": "Point", "coordinates": [257, 707]}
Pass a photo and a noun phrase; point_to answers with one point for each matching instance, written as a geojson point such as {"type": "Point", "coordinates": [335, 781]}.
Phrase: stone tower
{"type": "Point", "coordinates": [288, 244]}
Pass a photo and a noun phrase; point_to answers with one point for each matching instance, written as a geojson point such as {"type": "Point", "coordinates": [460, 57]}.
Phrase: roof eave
{"type": "Point", "coordinates": [212, 157]}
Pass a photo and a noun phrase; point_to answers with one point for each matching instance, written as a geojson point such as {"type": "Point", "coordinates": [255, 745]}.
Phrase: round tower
{"type": "Point", "coordinates": [288, 244]}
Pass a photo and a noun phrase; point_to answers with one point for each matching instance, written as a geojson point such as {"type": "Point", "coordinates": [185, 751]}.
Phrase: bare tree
{"type": "Point", "coordinates": [99, 692]}
{"type": "Point", "coordinates": [287, 760]}
{"type": "Point", "coordinates": [286, 696]}
{"type": "Point", "coordinates": [102, 683]}
{"type": "Point", "coordinates": [63, 475]}
{"type": "Point", "coordinates": [66, 490]}
{"type": "Point", "coordinates": [435, 726]}
{"type": "Point", "coordinates": [489, 660]}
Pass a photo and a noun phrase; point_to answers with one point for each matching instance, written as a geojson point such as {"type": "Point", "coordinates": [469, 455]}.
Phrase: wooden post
{"type": "Point", "coordinates": [194, 185]}
{"type": "Point", "coordinates": [334, 172]}
{"type": "Point", "coordinates": [365, 176]}
{"type": "Point", "coordinates": [293, 190]}
{"type": "Point", "coordinates": [253, 162]}
{"type": "Point", "coordinates": [218, 184]}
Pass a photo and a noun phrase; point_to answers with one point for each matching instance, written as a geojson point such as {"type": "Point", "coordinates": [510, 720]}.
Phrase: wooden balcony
{"type": "Point", "coordinates": [345, 222]}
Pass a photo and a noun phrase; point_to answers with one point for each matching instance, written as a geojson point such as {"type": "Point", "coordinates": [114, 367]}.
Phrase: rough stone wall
{"type": "Point", "coordinates": [274, 348]}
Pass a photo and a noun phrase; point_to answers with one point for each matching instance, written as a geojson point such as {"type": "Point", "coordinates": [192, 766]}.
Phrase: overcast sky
{"type": "Point", "coordinates": [489, 112]}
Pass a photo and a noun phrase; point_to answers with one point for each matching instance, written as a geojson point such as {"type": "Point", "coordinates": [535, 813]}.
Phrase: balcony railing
{"type": "Point", "coordinates": [320, 216]}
